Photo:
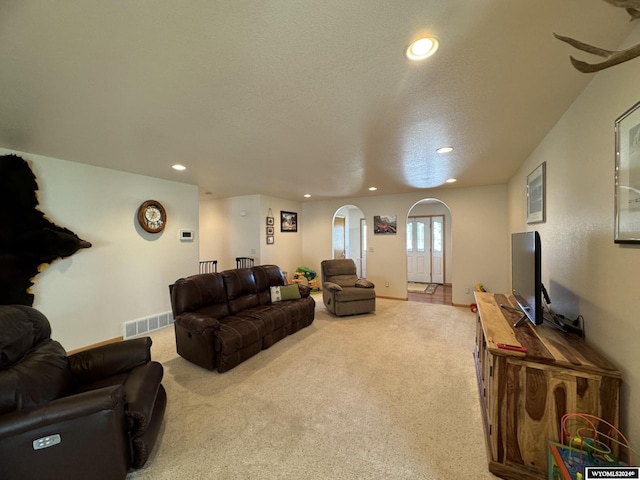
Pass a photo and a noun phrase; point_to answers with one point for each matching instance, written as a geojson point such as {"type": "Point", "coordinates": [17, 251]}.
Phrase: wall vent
{"type": "Point", "coordinates": [142, 326]}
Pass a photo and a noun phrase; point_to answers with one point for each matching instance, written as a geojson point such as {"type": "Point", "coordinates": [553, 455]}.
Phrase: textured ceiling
{"type": "Point", "coordinates": [287, 97]}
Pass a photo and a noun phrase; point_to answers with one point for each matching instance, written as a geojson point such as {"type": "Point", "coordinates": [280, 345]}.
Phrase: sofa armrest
{"type": "Point", "coordinates": [90, 427]}
{"type": "Point", "coordinates": [197, 322]}
{"type": "Point", "coordinates": [63, 410]}
{"type": "Point", "coordinates": [331, 287]}
{"type": "Point", "coordinates": [305, 291]}
{"type": "Point", "coordinates": [141, 387]}
{"type": "Point", "coordinates": [110, 359]}
{"type": "Point", "coordinates": [362, 283]}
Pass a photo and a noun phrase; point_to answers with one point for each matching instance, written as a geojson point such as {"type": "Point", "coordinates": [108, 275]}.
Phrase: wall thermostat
{"type": "Point", "coordinates": [186, 235]}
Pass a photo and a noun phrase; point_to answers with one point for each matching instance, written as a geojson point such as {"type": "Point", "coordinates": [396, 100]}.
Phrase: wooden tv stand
{"type": "Point", "coordinates": [524, 395]}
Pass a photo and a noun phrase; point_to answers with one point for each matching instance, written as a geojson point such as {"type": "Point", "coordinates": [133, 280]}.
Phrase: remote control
{"type": "Point", "coordinates": [515, 348]}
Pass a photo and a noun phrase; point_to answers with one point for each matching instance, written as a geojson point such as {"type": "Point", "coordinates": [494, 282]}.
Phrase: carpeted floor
{"type": "Point", "coordinates": [389, 395]}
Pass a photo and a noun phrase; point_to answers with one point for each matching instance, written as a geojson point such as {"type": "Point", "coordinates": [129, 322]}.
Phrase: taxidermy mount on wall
{"type": "Point", "coordinates": [27, 239]}
{"type": "Point", "coordinates": [613, 57]}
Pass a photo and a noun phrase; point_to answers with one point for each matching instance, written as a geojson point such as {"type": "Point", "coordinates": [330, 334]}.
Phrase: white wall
{"type": "Point", "coordinates": [125, 274]}
{"type": "Point", "coordinates": [286, 251]}
{"type": "Point", "coordinates": [225, 234]}
{"type": "Point", "coordinates": [583, 270]}
{"type": "Point", "coordinates": [478, 223]}
{"type": "Point", "coordinates": [213, 239]}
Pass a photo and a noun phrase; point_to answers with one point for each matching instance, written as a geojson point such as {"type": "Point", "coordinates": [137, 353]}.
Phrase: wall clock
{"type": "Point", "coordinates": [152, 216]}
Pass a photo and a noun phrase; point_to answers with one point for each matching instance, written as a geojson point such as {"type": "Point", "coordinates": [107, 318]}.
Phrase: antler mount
{"type": "Point", "coordinates": [613, 57]}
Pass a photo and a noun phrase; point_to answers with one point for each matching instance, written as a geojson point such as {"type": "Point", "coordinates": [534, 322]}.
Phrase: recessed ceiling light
{"type": "Point", "coordinates": [444, 149]}
{"type": "Point", "coordinates": [306, 195]}
{"type": "Point", "coordinates": [179, 167]}
{"type": "Point", "coordinates": [452, 180]}
{"type": "Point", "coordinates": [373, 189]}
{"type": "Point", "coordinates": [422, 48]}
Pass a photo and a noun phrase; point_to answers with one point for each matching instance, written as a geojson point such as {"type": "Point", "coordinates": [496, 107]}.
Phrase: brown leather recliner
{"type": "Point", "coordinates": [343, 293]}
{"type": "Point", "coordinates": [94, 414]}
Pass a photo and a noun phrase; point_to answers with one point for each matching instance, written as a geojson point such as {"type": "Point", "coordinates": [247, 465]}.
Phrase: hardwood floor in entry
{"type": "Point", "coordinates": [442, 296]}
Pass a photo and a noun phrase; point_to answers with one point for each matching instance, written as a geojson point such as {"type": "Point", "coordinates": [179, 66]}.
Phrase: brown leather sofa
{"type": "Point", "coordinates": [95, 414]}
{"type": "Point", "coordinates": [222, 319]}
{"type": "Point", "coordinates": [343, 293]}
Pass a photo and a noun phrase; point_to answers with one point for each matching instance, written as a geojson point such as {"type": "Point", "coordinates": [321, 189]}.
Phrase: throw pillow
{"type": "Point", "coordinates": [285, 292]}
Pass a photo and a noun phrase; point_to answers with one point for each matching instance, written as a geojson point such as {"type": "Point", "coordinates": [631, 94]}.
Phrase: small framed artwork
{"type": "Point", "coordinates": [536, 184]}
{"type": "Point", "coordinates": [627, 177]}
{"type": "Point", "coordinates": [270, 230]}
{"type": "Point", "coordinates": [385, 224]}
{"type": "Point", "coordinates": [270, 221]}
{"type": "Point", "coordinates": [288, 221]}
{"type": "Point", "coordinates": [269, 239]}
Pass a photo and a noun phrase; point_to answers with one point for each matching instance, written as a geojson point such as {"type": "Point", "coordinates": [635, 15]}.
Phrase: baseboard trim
{"type": "Point", "coordinates": [392, 298]}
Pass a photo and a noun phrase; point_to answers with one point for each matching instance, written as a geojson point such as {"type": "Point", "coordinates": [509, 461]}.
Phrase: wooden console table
{"type": "Point", "coordinates": [525, 395]}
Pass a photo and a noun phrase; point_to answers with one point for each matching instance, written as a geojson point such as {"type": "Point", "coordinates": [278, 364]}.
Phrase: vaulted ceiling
{"type": "Point", "coordinates": [293, 97]}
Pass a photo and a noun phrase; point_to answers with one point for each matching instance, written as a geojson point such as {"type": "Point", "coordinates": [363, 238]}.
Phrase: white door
{"type": "Point", "coordinates": [437, 249]}
{"type": "Point", "coordinates": [418, 248]}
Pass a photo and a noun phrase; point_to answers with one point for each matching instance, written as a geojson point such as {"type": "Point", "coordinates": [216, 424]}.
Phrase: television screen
{"type": "Point", "coordinates": [526, 274]}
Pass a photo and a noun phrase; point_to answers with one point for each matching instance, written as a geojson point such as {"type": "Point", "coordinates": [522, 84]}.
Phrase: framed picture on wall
{"type": "Point", "coordinates": [385, 224]}
{"type": "Point", "coordinates": [627, 177]}
{"type": "Point", "coordinates": [270, 230]}
{"type": "Point", "coordinates": [288, 221]}
{"type": "Point", "coordinates": [269, 239]}
{"type": "Point", "coordinates": [536, 184]}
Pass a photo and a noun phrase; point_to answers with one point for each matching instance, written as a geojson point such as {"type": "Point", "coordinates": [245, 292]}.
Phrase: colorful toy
{"type": "Point", "coordinates": [306, 272]}
{"type": "Point", "coordinates": [589, 441]}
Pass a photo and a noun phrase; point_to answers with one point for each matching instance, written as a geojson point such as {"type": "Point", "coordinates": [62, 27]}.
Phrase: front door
{"type": "Point", "coordinates": [437, 249]}
{"type": "Point", "coordinates": [418, 249]}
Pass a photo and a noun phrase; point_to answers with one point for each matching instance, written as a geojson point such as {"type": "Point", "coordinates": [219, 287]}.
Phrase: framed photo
{"type": "Point", "coordinates": [627, 177]}
{"type": "Point", "coordinates": [536, 186]}
{"type": "Point", "coordinates": [270, 230]}
{"type": "Point", "coordinates": [269, 239]}
{"type": "Point", "coordinates": [385, 224]}
{"type": "Point", "coordinates": [270, 221]}
{"type": "Point", "coordinates": [288, 221]}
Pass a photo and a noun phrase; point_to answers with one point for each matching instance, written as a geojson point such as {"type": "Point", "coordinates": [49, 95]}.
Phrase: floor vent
{"type": "Point", "coordinates": [141, 326]}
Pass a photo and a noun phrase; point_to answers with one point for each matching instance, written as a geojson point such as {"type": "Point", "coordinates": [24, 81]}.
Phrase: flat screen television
{"type": "Point", "coordinates": [526, 275]}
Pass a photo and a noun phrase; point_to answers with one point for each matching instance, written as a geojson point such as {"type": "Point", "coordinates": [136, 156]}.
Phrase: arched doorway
{"type": "Point", "coordinates": [429, 252]}
{"type": "Point", "coordinates": [349, 237]}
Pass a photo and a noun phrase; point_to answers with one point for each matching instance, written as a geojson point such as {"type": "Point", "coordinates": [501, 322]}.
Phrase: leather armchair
{"type": "Point", "coordinates": [95, 414]}
{"type": "Point", "coordinates": [343, 293]}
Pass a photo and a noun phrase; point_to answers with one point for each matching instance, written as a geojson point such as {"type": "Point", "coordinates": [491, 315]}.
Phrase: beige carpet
{"type": "Point", "coordinates": [390, 395]}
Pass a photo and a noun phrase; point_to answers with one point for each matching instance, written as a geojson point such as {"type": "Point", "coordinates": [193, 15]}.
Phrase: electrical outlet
{"type": "Point", "coordinates": [467, 291]}
{"type": "Point", "coordinates": [386, 284]}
